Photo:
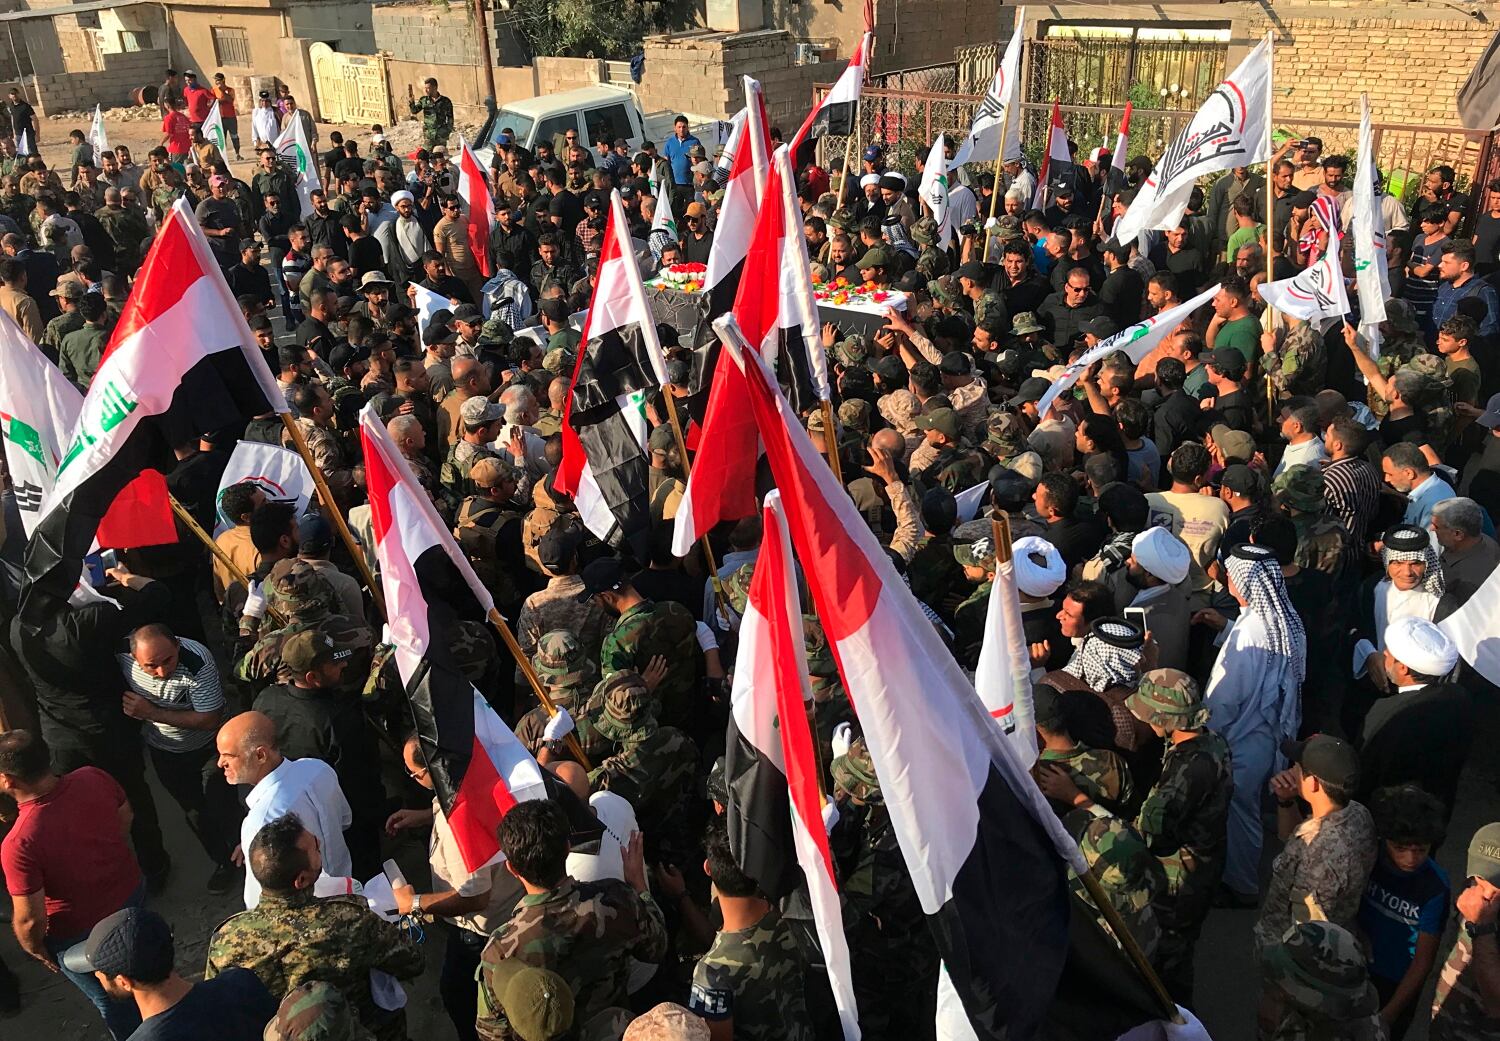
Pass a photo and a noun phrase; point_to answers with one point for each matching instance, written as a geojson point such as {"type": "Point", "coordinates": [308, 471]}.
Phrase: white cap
{"type": "Point", "coordinates": [1421, 646]}
{"type": "Point", "coordinates": [1162, 554]}
{"type": "Point", "coordinates": [1039, 566]}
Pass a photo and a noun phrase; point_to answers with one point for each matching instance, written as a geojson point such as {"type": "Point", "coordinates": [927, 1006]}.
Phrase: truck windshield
{"type": "Point", "coordinates": [505, 119]}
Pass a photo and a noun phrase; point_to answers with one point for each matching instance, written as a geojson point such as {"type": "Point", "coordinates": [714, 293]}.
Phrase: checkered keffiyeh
{"type": "Point", "coordinates": [1102, 665]}
{"type": "Point", "coordinates": [1432, 581]}
{"type": "Point", "coordinates": [1260, 582]}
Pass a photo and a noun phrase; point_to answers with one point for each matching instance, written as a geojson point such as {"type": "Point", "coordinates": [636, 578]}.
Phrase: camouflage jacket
{"type": "Point", "coordinates": [1131, 877]}
{"type": "Point", "coordinates": [1183, 818]}
{"type": "Point", "coordinates": [289, 940]}
{"type": "Point", "coordinates": [1320, 873]}
{"type": "Point", "coordinates": [649, 629]}
{"type": "Point", "coordinates": [968, 625]}
{"type": "Point", "coordinates": [62, 325]}
{"type": "Point", "coordinates": [933, 264]}
{"type": "Point", "coordinates": [990, 305]}
{"type": "Point", "coordinates": [1099, 773]}
{"type": "Point", "coordinates": [956, 468]}
{"type": "Point", "coordinates": [328, 455]}
{"type": "Point", "coordinates": [558, 607]}
{"type": "Point", "coordinates": [260, 664]}
{"type": "Point", "coordinates": [454, 476]}
{"type": "Point", "coordinates": [1322, 544]}
{"type": "Point", "coordinates": [1458, 1008]}
{"type": "Point", "coordinates": [652, 769]}
{"type": "Point", "coordinates": [437, 118]}
{"type": "Point", "coordinates": [581, 931]}
{"type": "Point", "coordinates": [1300, 365]}
{"type": "Point", "coordinates": [127, 229]}
{"type": "Point", "coordinates": [753, 978]}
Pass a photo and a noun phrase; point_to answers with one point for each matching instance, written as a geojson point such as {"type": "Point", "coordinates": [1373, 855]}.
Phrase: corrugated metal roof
{"type": "Point", "coordinates": [32, 13]}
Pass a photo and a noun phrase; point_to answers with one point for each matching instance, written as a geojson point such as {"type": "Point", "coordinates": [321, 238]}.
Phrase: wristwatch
{"type": "Point", "coordinates": [416, 903]}
{"type": "Point", "coordinates": [1476, 931]}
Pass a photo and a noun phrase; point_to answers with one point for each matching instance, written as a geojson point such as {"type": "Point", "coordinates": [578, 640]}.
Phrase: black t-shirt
{"type": "Point", "coordinates": [1187, 267]}
{"type": "Point", "coordinates": [567, 206]}
{"type": "Point", "coordinates": [1121, 296]}
{"type": "Point", "coordinates": [1487, 239]}
{"type": "Point", "coordinates": [233, 1006]}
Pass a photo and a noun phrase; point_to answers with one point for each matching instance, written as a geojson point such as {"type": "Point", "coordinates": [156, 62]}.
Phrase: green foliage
{"type": "Point", "coordinates": [585, 28]}
{"type": "Point", "coordinates": [1141, 95]}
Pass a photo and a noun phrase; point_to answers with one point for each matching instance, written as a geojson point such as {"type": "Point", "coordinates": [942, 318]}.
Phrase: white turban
{"type": "Point", "coordinates": [1039, 566]}
{"type": "Point", "coordinates": [869, 179]}
{"type": "Point", "coordinates": [1162, 554]}
{"type": "Point", "coordinates": [403, 194]}
{"type": "Point", "coordinates": [1421, 646]}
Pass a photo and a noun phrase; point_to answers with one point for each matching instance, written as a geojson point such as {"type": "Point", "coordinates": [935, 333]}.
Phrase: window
{"type": "Point", "coordinates": [134, 40]}
{"type": "Point", "coordinates": [609, 122]}
{"type": "Point", "coordinates": [554, 129]}
{"type": "Point", "coordinates": [231, 46]}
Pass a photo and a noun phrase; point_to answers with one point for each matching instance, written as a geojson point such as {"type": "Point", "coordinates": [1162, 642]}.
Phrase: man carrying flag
{"type": "Point", "coordinates": [294, 152]}
{"type": "Point", "coordinates": [933, 190]}
{"type": "Point", "coordinates": [604, 464]}
{"type": "Point", "coordinates": [1057, 162]}
{"type": "Point", "coordinates": [97, 137]}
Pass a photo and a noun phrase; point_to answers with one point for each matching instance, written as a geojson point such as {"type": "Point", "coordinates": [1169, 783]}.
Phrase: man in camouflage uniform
{"type": "Point", "coordinates": [67, 294]}
{"type": "Point", "coordinates": [1131, 877]}
{"type": "Point", "coordinates": [480, 419]}
{"type": "Point", "coordinates": [1322, 543]}
{"type": "Point", "coordinates": [891, 951]}
{"type": "Point", "coordinates": [978, 562]}
{"type": "Point", "coordinates": [957, 466]}
{"type": "Point", "coordinates": [932, 263]}
{"type": "Point", "coordinates": [566, 671]}
{"type": "Point", "coordinates": [644, 631]}
{"type": "Point", "coordinates": [1466, 1006]}
{"type": "Point", "coordinates": [974, 283]}
{"type": "Point", "coordinates": [488, 529]}
{"type": "Point", "coordinates": [126, 227]}
{"type": "Point", "coordinates": [1006, 443]}
{"type": "Point", "coordinates": [1184, 817]}
{"type": "Point", "coordinates": [1070, 773]}
{"type": "Point", "coordinates": [586, 932]}
{"type": "Point", "coordinates": [830, 702]}
{"type": "Point", "coordinates": [1317, 974]}
{"type": "Point", "coordinates": [315, 1011]}
{"type": "Point", "coordinates": [329, 452]}
{"type": "Point", "coordinates": [750, 982]}
{"type": "Point", "coordinates": [558, 606]}
{"type": "Point", "coordinates": [14, 203]}
{"type": "Point", "coordinates": [649, 765]}
{"type": "Point", "coordinates": [436, 112]}
{"type": "Point", "coordinates": [307, 601]}
{"type": "Point", "coordinates": [292, 936]}
{"type": "Point", "coordinates": [1298, 366]}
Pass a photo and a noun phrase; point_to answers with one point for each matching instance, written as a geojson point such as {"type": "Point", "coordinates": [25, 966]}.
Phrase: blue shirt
{"type": "Point", "coordinates": [1396, 908]}
{"type": "Point", "coordinates": [676, 152]}
{"type": "Point", "coordinates": [1421, 499]}
{"type": "Point", "coordinates": [1041, 258]}
{"type": "Point", "coordinates": [1448, 296]}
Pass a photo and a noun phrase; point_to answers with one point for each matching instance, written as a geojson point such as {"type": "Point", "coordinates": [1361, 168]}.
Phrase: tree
{"type": "Point", "coordinates": [585, 28]}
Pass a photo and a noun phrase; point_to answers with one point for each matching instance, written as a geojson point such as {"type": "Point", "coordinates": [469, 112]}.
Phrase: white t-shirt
{"type": "Point", "coordinates": [448, 872]}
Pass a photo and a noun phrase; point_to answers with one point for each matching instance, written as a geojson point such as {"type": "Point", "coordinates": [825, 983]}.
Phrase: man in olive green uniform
{"type": "Point", "coordinates": [1323, 544]}
{"type": "Point", "coordinates": [1067, 768]}
{"type": "Point", "coordinates": [932, 263]}
{"type": "Point", "coordinates": [436, 112]}
{"type": "Point", "coordinates": [567, 674]}
{"type": "Point", "coordinates": [307, 601]}
{"type": "Point", "coordinates": [957, 466]}
{"type": "Point", "coordinates": [126, 227]}
{"type": "Point", "coordinates": [67, 295]}
{"type": "Point", "coordinates": [978, 561]}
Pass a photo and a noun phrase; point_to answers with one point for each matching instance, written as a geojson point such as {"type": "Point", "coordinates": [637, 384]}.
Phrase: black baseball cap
{"type": "Point", "coordinates": [1102, 327]}
{"type": "Point", "coordinates": [1330, 759]}
{"type": "Point", "coordinates": [972, 270]}
{"type": "Point", "coordinates": [1031, 389]}
{"type": "Point", "coordinates": [314, 533]}
{"type": "Point", "coordinates": [556, 548]}
{"type": "Point", "coordinates": [1227, 360]}
{"type": "Point", "coordinates": [602, 576]}
{"type": "Point", "coordinates": [135, 943]}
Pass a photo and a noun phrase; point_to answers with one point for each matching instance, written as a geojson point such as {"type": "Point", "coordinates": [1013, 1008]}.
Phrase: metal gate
{"type": "Point", "coordinates": [351, 87]}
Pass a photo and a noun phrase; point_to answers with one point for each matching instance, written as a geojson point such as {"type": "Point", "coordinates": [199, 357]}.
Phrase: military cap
{"type": "Point", "coordinates": [538, 1003]}
{"type": "Point", "coordinates": [305, 651]}
{"type": "Point", "coordinates": [557, 547]}
{"type": "Point", "coordinates": [1484, 855]}
{"type": "Point", "coordinates": [1025, 323]}
{"type": "Point", "coordinates": [697, 151]}
{"type": "Point", "coordinates": [1330, 759]}
{"type": "Point", "coordinates": [980, 553]}
{"type": "Point", "coordinates": [816, 424]}
{"type": "Point", "coordinates": [1235, 444]}
{"type": "Point", "coordinates": [489, 471]}
{"type": "Point", "coordinates": [842, 219]}
{"type": "Point", "coordinates": [956, 363]}
{"type": "Point", "coordinates": [1170, 699]}
{"type": "Point", "coordinates": [315, 1011]}
{"type": "Point", "coordinates": [559, 361]}
{"type": "Point", "coordinates": [852, 349]}
{"type": "Point", "coordinates": [661, 438]}
{"type": "Point", "coordinates": [1320, 967]}
{"type": "Point", "coordinates": [973, 270]}
{"type": "Point", "coordinates": [1047, 706]}
{"type": "Point", "coordinates": [944, 290]}
{"type": "Point", "coordinates": [874, 258]}
{"type": "Point", "coordinates": [667, 1022]}
{"type": "Point", "coordinates": [479, 410]}
{"type": "Point", "coordinates": [855, 413]}
{"type": "Point", "coordinates": [301, 588]}
{"type": "Point", "coordinates": [943, 420]}
{"type": "Point", "coordinates": [737, 586]}
{"type": "Point", "coordinates": [626, 705]}
{"type": "Point", "coordinates": [925, 232]}
{"type": "Point", "coordinates": [473, 649]}
{"type": "Point", "coordinates": [1301, 488]}
{"type": "Point", "coordinates": [560, 660]}
{"type": "Point", "coordinates": [602, 576]}
{"type": "Point", "coordinates": [72, 289]}
{"type": "Point", "coordinates": [1006, 432]}
{"type": "Point", "coordinates": [854, 773]}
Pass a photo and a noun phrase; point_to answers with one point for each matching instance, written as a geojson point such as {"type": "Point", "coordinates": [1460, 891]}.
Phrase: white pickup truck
{"type": "Point", "coordinates": [593, 112]}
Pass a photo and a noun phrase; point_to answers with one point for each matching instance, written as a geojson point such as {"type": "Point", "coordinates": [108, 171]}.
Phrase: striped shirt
{"type": "Point", "coordinates": [1351, 488]}
{"type": "Point", "coordinates": [192, 687]}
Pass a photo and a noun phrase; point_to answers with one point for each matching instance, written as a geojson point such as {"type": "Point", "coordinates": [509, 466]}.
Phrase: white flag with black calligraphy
{"type": "Point", "coordinates": [1367, 225]}
{"type": "Point", "coordinates": [1230, 129]}
{"type": "Point", "coordinates": [1317, 291]}
{"type": "Point", "coordinates": [982, 143]}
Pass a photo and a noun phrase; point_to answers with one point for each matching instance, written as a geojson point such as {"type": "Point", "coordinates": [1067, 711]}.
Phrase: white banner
{"type": "Point", "coordinates": [296, 154]}
{"type": "Point", "coordinates": [1229, 130]}
{"type": "Point", "coordinates": [97, 137]}
{"type": "Point", "coordinates": [1317, 291]}
{"type": "Point", "coordinates": [280, 473]}
{"type": "Point", "coordinates": [933, 190]}
{"type": "Point", "coordinates": [1136, 341]}
{"type": "Point", "coordinates": [1367, 224]}
{"type": "Point", "coordinates": [38, 410]}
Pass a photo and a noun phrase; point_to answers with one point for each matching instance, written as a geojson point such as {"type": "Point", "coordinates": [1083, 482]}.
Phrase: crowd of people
{"type": "Point", "coordinates": [1231, 560]}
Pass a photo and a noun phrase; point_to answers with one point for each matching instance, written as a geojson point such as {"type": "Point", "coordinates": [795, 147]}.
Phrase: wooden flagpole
{"type": "Point", "coordinates": [191, 523]}
{"type": "Point", "coordinates": [336, 515]}
{"type": "Point", "coordinates": [999, 170]}
{"type": "Point", "coordinates": [498, 621]}
{"type": "Point", "coordinates": [1270, 202]}
{"type": "Point", "coordinates": [831, 441]}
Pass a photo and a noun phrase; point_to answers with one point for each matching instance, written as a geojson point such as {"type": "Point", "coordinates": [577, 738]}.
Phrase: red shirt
{"type": "Point", "coordinates": [179, 132]}
{"type": "Point", "coordinates": [69, 846]}
{"type": "Point", "coordinates": [225, 95]}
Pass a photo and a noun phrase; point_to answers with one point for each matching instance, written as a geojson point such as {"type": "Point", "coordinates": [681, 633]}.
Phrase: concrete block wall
{"type": "Point", "coordinates": [701, 73]}
{"type": "Point", "coordinates": [555, 75]}
{"type": "Point", "coordinates": [425, 34]}
{"type": "Point", "coordinates": [111, 85]}
{"type": "Point", "coordinates": [349, 25]}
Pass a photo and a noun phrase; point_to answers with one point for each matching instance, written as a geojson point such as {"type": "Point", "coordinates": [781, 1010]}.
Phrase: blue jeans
{"type": "Point", "coordinates": [121, 1017]}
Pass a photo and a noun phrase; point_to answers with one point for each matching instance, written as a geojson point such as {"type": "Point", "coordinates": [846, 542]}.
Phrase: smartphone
{"type": "Point", "coordinates": [109, 558]}
{"type": "Point", "coordinates": [1136, 616]}
{"type": "Point", "coordinates": [393, 874]}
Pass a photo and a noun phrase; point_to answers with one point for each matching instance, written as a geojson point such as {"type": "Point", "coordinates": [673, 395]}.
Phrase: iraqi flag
{"type": "Point", "coordinates": [1057, 161]}
{"type": "Point", "coordinates": [295, 153]}
{"type": "Point", "coordinates": [479, 209]}
{"type": "Point", "coordinates": [1115, 179]}
{"type": "Point", "coordinates": [986, 855]}
{"type": "Point", "coordinates": [775, 797]}
{"type": "Point", "coordinates": [1230, 129]}
{"type": "Point", "coordinates": [605, 465]}
{"type": "Point", "coordinates": [479, 768]}
{"type": "Point", "coordinates": [836, 113]}
{"type": "Point", "coordinates": [180, 362]}
{"type": "Point", "coordinates": [778, 317]}
{"type": "Point", "coordinates": [750, 144]}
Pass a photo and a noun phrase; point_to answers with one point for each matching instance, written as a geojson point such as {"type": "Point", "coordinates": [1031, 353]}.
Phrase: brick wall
{"type": "Point", "coordinates": [700, 73]}
{"type": "Point", "coordinates": [426, 34]}
{"type": "Point", "coordinates": [111, 85]}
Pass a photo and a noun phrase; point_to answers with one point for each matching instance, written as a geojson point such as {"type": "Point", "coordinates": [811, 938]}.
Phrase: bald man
{"type": "Point", "coordinates": [470, 378]}
{"type": "Point", "coordinates": [307, 787]}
